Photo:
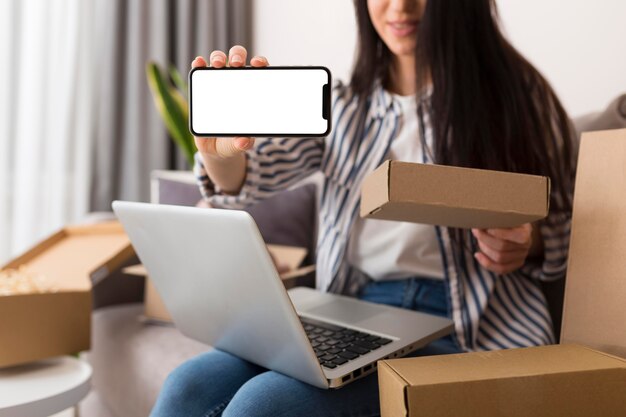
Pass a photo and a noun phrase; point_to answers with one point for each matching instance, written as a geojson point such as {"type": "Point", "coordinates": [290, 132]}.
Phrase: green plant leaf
{"type": "Point", "coordinates": [179, 82]}
{"type": "Point", "coordinates": [173, 109]}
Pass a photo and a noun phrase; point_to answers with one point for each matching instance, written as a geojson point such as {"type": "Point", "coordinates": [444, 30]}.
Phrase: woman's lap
{"type": "Point", "coordinates": [274, 394]}
{"type": "Point", "coordinates": [217, 382]}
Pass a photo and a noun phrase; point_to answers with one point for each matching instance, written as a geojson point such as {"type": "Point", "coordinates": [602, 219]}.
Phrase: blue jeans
{"type": "Point", "coordinates": [219, 384]}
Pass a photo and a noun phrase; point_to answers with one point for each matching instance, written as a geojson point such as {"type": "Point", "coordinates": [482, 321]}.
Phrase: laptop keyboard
{"type": "Point", "coordinates": [336, 345]}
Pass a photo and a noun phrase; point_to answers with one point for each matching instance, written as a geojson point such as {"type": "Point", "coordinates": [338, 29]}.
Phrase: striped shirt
{"type": "Point", "coordinates": [489, 311]}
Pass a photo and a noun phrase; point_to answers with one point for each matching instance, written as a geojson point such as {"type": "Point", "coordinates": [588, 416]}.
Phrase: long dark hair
{"type": "Point", "coordinates": [490, 108]}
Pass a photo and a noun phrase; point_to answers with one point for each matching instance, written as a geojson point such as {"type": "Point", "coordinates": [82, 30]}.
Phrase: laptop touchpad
{"type": "Point", "coordinates": [345, 311]}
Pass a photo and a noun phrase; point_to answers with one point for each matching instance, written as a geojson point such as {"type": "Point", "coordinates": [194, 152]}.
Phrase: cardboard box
{"type": "Point", "coordinates": [57, 321]}
{"type": "Point", "coordinates": [453, 196]}
{"type": "Point", "coordinates": [562, 380]}
{"type": "Point", "coordinates": [548, 381]}
{"type": "Point", "coordinates": [594, 313]}
{"type": "Point", "coordinates": [289, 256]}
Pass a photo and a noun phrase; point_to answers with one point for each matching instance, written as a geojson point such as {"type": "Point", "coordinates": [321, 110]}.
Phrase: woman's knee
{"type": "Point", "coordinates": [205, 381]}
{"type": "Point", "coordinates": [188, 380]}
{"type": "Point", "coordinates": [269, 394]}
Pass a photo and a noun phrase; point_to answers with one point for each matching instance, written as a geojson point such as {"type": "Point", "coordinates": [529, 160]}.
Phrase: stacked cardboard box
{"type": "Point", "coordinates": [587, 379]}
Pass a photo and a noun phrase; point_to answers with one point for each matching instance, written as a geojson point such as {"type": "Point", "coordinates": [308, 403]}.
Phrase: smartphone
{"type": "Point", "coordinates": [269, 101]}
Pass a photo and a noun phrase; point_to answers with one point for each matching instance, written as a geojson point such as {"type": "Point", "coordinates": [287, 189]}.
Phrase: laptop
{"type": "Point", "coordinates": [220, 285]}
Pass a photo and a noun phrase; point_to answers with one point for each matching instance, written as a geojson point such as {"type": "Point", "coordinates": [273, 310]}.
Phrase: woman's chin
{"type": "Point", "coordinates": [404, 50]}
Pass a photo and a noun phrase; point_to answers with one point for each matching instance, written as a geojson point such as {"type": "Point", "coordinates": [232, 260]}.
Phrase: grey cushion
{"type": "Point", "coordinates": [131, 359]}
{"type": "Point", "coordinates": [289, 218]}
{"type": "Point", "coordinates": [613, 117]}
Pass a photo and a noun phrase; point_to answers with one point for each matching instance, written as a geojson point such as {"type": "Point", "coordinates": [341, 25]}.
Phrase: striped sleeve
{"type": "Point", "coordinates": [555, 233]}
{"type": "Point", "coordinates": [272, 165]}
{"type": "Point", "coordinates": [556, 228]}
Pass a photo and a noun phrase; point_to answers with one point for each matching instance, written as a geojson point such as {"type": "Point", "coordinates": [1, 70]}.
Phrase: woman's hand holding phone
{"type": "Point", "coordinates": [224, 158]}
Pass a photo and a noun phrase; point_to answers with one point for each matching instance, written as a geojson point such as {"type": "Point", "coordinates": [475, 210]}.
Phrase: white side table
{"type": "Point", "coordinates": [43, 388]}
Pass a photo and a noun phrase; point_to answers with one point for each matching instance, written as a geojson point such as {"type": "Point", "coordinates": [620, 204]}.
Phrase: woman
{"type": "Point", "coordinates": [434, 82]}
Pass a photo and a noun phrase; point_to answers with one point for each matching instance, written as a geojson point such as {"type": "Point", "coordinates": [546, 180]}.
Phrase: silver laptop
{"type": "Point", "coordinates": [218, 281]}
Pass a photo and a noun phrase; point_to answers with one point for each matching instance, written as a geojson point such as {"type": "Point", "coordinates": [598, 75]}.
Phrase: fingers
{"type": "Point", "coordinates": [223, 148]}
{"type": "Point", "coordinates": [228, 147]}
{"type": "Point", "coordinates": [520, 234]}
{"type": "Point", "coordinates": [206, 146]}
{"type": "Point", "coordinates": [237, 56]}
{"type": "Point", "coordinates": [501, 243]}
{"type": "Point", "coordinates": [501, 257]}
{"type": "Point", "coordinates": [259, 61]}
{"type": "Point", "coordinates": [217, 59]}
{"type": "Point", "coordinates": [243, 143]}
{"type": "Point", "coordinates": [503, 250]}
{"type": "Point", "coordinates": [198, 62]}
{"type": "Point", "coordinates": [500, 269]}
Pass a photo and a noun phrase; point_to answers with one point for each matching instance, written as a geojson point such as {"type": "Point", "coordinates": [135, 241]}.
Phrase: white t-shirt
{"type": "Point", "coordinates": [386, 249]}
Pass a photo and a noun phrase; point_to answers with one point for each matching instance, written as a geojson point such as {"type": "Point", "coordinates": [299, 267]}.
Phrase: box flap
{"type": "Point", "coordinates": [290, 256]}
{"type": "Point", "coordinates": [375, 189]}
{"type": "Point", "coordinates": [392, 391]}
{"type": "Point", "coordinates": [71, 256]}
{"type": "Point", "coordinates": [595, 291]}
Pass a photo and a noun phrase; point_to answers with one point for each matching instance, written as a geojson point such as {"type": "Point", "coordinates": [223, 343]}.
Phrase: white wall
{"type": "Point", "coordinates": [579, 45]}
{"type": "Point", "coordinates": [306, 32]}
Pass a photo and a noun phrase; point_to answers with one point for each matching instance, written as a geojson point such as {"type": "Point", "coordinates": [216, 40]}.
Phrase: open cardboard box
{"type": "Point", "coordinates": [289, 256]}
{"type": "Point", "coordinates": [453, 196]}
{"type": "Point", "coordinates": [561, 380]}
{"type": "Point", "coordinates": [57, 320]}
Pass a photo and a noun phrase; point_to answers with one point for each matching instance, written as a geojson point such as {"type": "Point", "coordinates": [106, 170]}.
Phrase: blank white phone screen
{"type": "Point", "coordinates": [259, 102]}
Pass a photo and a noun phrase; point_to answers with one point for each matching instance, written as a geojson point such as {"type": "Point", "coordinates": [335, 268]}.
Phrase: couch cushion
{"type": "Point", "coordinates": [289, 218]}
{"type": "Point", "coordinates": [131, 359]}
{"type": "Point", "coordinates": [613, 117]}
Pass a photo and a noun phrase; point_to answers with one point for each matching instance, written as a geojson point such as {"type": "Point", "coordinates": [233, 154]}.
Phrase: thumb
{"type": "Point", "coordinates": [228, 147]}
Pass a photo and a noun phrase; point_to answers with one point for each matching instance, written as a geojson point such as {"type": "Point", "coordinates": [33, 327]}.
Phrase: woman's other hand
{"type": "Point", "coordinates": [503, 250]}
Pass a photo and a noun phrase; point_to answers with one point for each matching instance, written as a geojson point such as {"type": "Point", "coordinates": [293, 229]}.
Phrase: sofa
{"type": "Point", "coordinates": [131, 357]}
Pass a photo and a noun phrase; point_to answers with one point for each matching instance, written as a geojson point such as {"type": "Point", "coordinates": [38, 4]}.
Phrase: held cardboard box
{"type": "Point", "coordinates": [290, 257]}
{"type": "Point", "coordinates": [562, 380]}
{"type": "Point", "coordinates": [453, 196]}
{"type": "Point", "coordinates": [547, 381]}
{"type": "Point", "coordinates": [56, 320]}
